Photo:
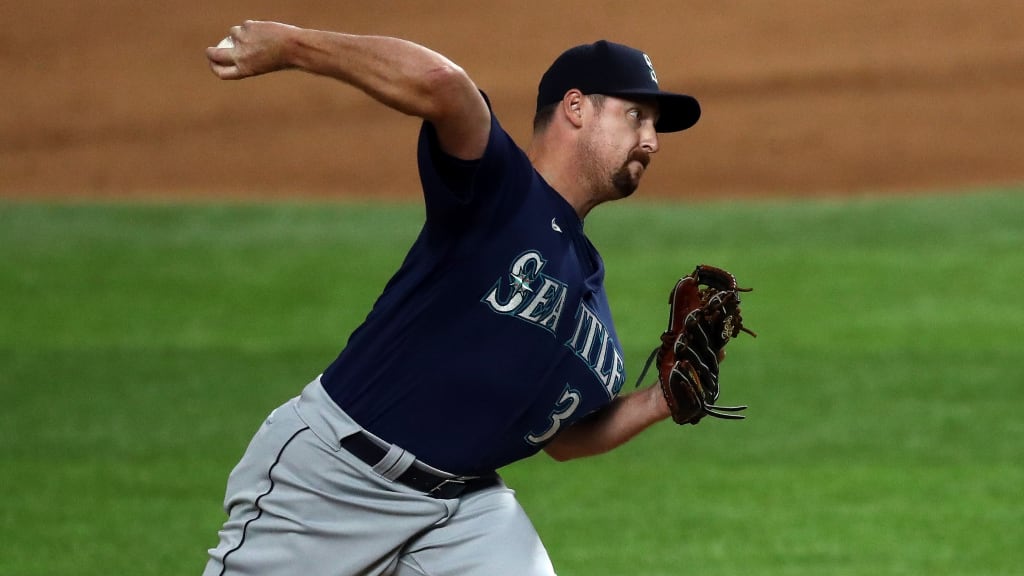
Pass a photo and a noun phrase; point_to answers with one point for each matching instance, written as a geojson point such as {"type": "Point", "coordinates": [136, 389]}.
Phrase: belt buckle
{"type": "Point", "coordinates": [448, 488]}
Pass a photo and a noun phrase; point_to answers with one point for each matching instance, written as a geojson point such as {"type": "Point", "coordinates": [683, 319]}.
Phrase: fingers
{"type": "Point", "coordinates": [223, 67]}
{"type": "Point", "coordinates": [684, 394]}
{"type": "Point", "coordinates": [222, 62]}
{"type": "Point", "coordinates": [227, 72]}
{"type": "Point", "coordinates": [260, 47]}
{"type": "Point", "coordinates": [234, 33]}
{"type": "Point", "coordinates": [224, 57]}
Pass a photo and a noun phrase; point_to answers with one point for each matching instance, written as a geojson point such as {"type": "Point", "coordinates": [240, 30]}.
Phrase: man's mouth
{"type": "Point", "coordinates": [642, 157]}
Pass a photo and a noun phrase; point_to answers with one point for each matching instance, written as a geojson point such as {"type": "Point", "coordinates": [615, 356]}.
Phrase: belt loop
{"type": "Point", "coordinates": [394, 463]}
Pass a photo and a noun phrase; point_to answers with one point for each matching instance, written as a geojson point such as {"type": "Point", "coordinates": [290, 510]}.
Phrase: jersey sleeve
{"type": "Point", "coordinates": [456, 189]}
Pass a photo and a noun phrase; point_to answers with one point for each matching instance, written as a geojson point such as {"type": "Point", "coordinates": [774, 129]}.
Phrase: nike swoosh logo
{"type": "Point", "coordinates": [554, 226]}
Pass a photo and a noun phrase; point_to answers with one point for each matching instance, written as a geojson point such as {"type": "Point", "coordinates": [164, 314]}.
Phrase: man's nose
{"type": "Point", "coordinates": [649, 140]}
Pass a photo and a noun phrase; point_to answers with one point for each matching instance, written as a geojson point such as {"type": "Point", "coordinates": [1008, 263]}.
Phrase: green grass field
{"type": "Point", "coordinates": [141, 345]}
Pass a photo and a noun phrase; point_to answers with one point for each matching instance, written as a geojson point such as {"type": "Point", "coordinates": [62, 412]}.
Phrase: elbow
{"type": "Point", "coordinates": [564, 448]}
{"type": "Point", "coordinates": [444, 78]}
{"type": "Point", "coordinates": [445, 89]}
{"type": "Point", "coordinates": [558, 455]}
{"type": "Point", "coordinates": [565, 454]}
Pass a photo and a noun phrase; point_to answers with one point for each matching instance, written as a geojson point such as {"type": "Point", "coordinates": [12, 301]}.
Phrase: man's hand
{"type": "Point", "coordinates": [259, 48]}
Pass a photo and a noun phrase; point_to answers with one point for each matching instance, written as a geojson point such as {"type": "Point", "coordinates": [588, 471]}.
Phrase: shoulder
{"type": "Point", "coordinates": [500, 155]}
{"type": "Point", "coordinates": [463, 130]}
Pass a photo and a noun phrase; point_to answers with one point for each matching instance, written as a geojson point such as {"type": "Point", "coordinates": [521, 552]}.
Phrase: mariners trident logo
{"type": "Point", "coordinates": [528, 294]}
{"type": "Point", "coordinates": [654, 75]}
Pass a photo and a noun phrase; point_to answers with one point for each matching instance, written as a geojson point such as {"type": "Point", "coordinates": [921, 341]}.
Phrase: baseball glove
{"type": "Point", "coordinates": [704, 315]}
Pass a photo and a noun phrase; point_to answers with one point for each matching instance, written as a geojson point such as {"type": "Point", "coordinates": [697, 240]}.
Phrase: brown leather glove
{"type": "Point", "coordinates": [704, 315]}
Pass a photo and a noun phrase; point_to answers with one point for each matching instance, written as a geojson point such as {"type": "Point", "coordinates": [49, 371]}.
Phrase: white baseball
{"type": "Point", "coordinates": [227, 42]}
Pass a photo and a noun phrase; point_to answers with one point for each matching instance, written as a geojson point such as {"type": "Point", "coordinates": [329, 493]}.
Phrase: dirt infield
{"type": "Point", "coordinates": [800, 96]}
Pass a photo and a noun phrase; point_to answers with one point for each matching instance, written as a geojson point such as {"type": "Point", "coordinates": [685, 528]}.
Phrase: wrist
{"type": "Point", "coordinates": [657, 402]}
{"type": "Point", "coordinates": [296, 45]}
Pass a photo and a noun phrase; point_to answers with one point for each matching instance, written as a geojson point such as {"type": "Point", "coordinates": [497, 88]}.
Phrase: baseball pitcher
{"type": "Point", "coordinates": [494, 339]}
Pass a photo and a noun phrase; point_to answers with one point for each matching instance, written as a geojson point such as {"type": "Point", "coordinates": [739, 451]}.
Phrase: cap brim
{"type": "Point", "coordinates": [677, 112]}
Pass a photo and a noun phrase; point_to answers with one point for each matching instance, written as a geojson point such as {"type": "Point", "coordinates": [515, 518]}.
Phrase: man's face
{"type": "Point", "coordinates": [618, 145]}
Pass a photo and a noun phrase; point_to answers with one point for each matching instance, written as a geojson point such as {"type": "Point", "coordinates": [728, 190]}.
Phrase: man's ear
{"type": "Point", "coordinates": [572, 107]}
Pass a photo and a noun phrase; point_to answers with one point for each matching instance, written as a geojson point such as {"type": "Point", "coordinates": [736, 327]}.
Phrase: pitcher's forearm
{"type": "Point", "coordinates": [405, 76]}
{"type": "Point", "coordinates": [612, 427]}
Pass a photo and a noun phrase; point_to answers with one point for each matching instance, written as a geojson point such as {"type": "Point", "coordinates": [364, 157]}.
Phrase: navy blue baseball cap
{"type": "Point", "coordinates": [615, 70]}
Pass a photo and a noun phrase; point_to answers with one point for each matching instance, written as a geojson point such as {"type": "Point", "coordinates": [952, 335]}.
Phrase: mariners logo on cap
{"type": "Point", "coordinates": [654, 75]}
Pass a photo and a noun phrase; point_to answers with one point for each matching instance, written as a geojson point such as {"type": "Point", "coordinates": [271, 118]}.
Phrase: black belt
{"type": "Point", "coordinates": [434, 485]}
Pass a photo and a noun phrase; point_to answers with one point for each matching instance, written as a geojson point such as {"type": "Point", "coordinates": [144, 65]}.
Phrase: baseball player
{"type": "Point", "coordinates": [493, 340]}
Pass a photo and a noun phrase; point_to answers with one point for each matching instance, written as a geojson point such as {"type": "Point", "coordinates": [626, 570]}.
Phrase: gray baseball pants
{"type": "Point", "coordinates": [300, 504]}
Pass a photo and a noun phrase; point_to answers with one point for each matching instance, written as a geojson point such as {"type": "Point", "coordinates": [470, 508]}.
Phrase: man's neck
{"type": "Point", "coordinates": [557, 169]}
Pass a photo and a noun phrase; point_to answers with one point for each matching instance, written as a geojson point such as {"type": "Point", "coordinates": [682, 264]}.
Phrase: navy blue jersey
{"type": "Point", "coordinates": [495, 333]}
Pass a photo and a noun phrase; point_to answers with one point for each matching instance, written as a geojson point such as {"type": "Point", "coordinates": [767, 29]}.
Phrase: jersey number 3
{"type": "Point", "coordinates": [565, 407]}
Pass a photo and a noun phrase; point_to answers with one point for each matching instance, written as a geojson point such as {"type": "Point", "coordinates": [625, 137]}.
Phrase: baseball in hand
{"type": "Point", "coordinates": [227, 42]}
